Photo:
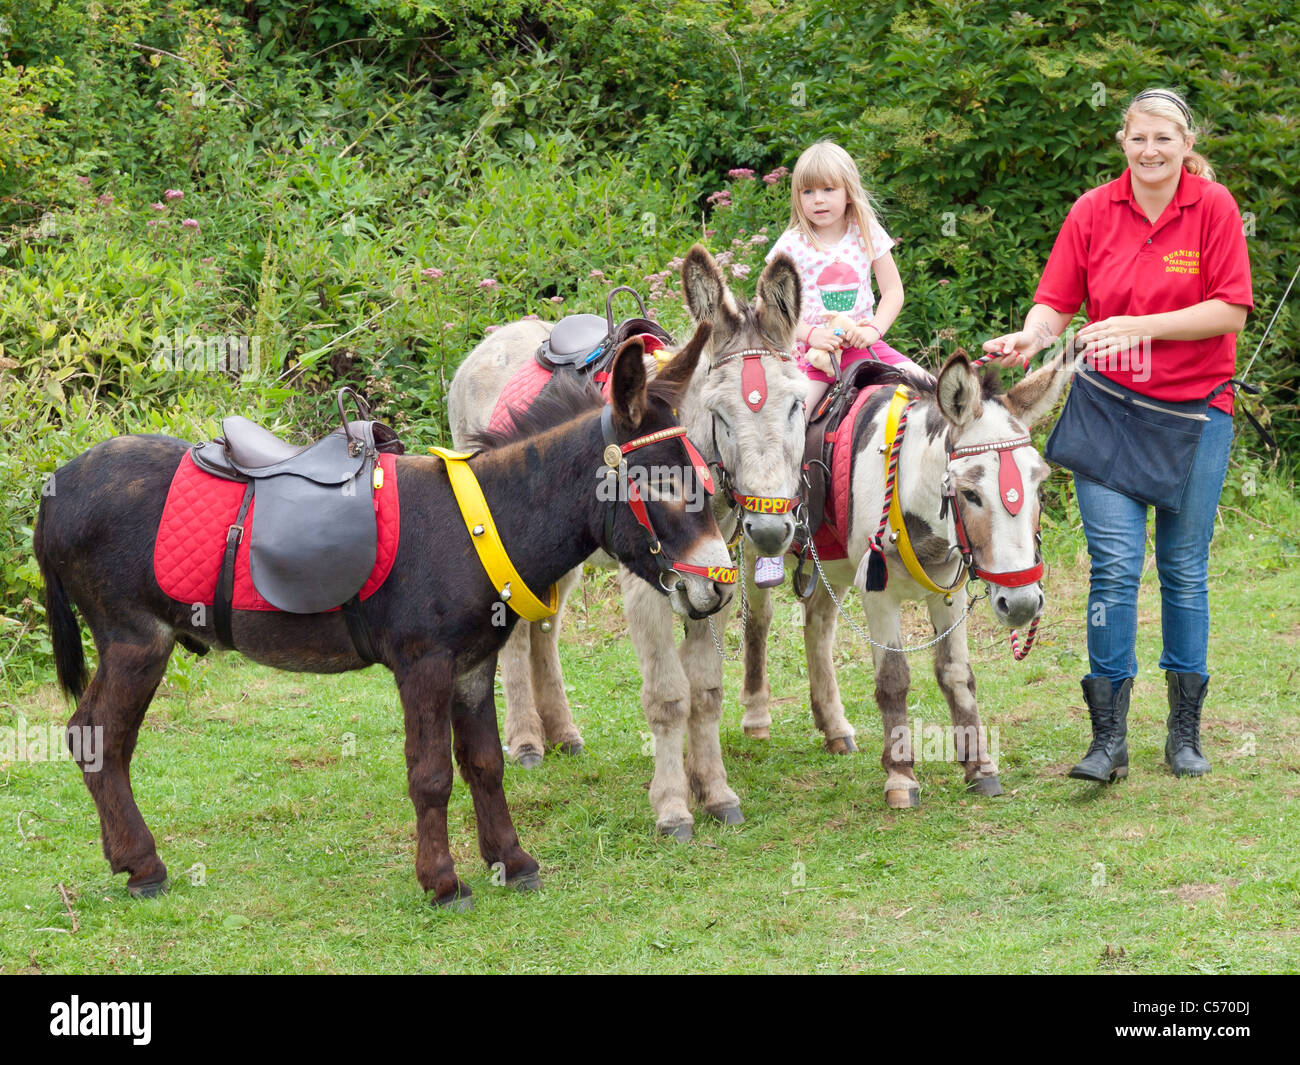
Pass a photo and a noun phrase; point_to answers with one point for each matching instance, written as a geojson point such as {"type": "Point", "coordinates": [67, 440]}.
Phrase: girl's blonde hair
{"type": "Point", "coordinates": [1167, 104]}
{"type": "Point", "coordinates": [826, 164]}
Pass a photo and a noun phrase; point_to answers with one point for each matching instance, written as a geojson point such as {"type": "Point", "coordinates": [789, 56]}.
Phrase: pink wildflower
{"type": "Point", "coordinates": [741, 172]}
{"type": "Point", "coordinates": [190, 223]}
{"type": "Point", "coordinates": [557, 299]}
{"type": "Point", "coordinates": [173, 194]}
{"type": "Point", "coordinates": [492, 329]}
{"type": "Point", "coordinates": [488, 282]}
{"type": "Point", "coordinates": [159, 206]}
{"type": "Point", "coordinates": [105, 200]}
{"type": "Point", "coordinates": [431, 272]}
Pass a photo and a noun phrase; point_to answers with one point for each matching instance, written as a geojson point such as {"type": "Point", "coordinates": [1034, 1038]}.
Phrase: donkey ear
{"type": "Point", "coordinates": [778, 301]}
{"type": "Point", "coordinates": [679, 371]}
{"type": "Point", "coordinates": [705, 287]}
{"type": "Point", "coordinates": [627, 384]}
{"type": "Point", "coordinates": [1037, 394]}
{"type": "Point", "coordinates": [958, 391]}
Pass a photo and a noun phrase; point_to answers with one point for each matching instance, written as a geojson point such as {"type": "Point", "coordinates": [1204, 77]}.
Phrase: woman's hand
{"type": "Point", "coordinates": [1015, 349]}
{"type": "Point", "coordinates": [1112, 337]}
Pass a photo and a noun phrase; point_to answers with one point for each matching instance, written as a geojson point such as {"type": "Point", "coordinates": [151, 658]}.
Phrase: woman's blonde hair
{"type": "Point", "coordinates": [1167, 104]}
{"type": "Point", "coordinates": [826, 164]}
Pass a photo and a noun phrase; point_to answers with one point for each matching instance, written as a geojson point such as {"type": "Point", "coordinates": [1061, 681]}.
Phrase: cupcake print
{"type": "Point", "coordinates": [838, 285]}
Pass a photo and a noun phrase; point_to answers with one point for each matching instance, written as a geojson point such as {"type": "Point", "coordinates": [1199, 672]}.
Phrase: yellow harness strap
{"type": "Point", "coordinates": [487, 541]}
{"type": "Point", "coordinates": [902, 397]}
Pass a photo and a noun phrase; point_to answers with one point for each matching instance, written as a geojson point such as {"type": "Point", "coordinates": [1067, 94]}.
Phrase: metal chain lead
{"type": "Point", "coordinates": [744, 613]}
{"type": "Point", "coordinates": [970, 605]}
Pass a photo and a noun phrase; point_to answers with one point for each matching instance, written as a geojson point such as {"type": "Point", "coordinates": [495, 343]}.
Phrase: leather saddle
{"type": "Point", "coordinates": [822, 437]}
{"type": "Point", "coordinates": [587, 343]}
{"type": "Point", "coordinates": [314, 541]}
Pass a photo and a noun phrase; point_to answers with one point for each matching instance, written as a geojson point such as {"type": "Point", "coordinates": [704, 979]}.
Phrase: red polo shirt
{"type": "Point", "coordinates": [1109, 255]}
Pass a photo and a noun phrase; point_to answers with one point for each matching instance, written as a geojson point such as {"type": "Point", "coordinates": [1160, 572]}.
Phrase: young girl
{"type": "Point", "coordinates": [836, 244]}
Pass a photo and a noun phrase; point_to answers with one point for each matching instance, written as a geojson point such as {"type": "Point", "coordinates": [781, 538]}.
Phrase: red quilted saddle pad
{"type": "Point", "coordinates": [832, 536]}
{"type": "Point", "coordinates": [200, 509]}
{"type": "Point", "coordinates": [527, 382]}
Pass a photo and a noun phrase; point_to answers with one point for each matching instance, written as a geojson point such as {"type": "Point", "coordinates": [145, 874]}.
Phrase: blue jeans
{"type": "Point", "coordinates": [1116, 529]}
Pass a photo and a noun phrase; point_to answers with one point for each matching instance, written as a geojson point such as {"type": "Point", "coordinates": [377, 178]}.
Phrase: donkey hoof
{"type": "Point", "coordinates": [728, 815]}
{"type": "Point", "coordinates": [842, 745]}
{"type": "Point", "coordinates": [525, 882]}
{"type": "Point", "coordinates": [528, 758]}
{"type": "Point", "coordinates": [903, 798]}
{"type": "Point", "coordinates": [682, 831]}
{"type": "Point", "coordinates": [758, 732]}
{"type": "Point", "coordinates": [988, 786]}
{"type": "Point", "coordinates": [460, 902]}
{"type": "Point", "coordinates": [148, 890]}
{"type": "Point", "coordinates": [570, 747]}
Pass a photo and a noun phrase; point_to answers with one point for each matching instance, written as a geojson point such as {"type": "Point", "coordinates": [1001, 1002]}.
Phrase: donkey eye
{"type": "Point", "coordinates": [971, 497]}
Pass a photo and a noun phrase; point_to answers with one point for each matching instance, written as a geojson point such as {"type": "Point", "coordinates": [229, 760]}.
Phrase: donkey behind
{"type": "Point", "coordinates": [744, 407]}
{"type": "Point", "coordinates": [436, 620]}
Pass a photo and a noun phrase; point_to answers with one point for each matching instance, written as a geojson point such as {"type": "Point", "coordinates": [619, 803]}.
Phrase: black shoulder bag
{"type": "Point", "coordinates": [1141, 447]}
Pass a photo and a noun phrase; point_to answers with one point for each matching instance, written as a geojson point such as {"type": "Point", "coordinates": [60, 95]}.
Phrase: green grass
{"type": "Point", "coordinates": [307, 841]}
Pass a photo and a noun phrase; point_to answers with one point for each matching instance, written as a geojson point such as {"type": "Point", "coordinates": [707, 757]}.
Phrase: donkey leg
{"type": "Point", "coordinates": [548, 678]}
{"type": "Point", "coordinates": [426, 688]}
{"type": "Point", "coordinates": [893, 677]}
{"type": "Point", "coordinates": [477, 746]}
{"type": "Point", "coordinates": [957, 682]}
{"type": "Point", "coordinates": [525, 735]}
{"type": "Point", "coordinates": [113, 708]}
{"type": "Point", "coordinates": [704, 766]}
{"type": "Point", "coordinates": [666, 700]}
{"type": "Point", "coordinates": [755, 692]}
{"type": "Point", "coordinates": [820, 616]}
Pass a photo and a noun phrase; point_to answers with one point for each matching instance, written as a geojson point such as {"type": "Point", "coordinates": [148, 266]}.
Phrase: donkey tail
{"type": "Point", "coordinates": [65, 633]}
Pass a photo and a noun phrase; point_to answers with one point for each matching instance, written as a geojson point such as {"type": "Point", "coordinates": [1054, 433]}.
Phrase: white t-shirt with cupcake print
{"type": "Point", "coordinates": [837, 280]}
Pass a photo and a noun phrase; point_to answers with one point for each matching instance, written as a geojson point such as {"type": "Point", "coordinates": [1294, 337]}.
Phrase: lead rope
{"type": "Point", "coordinates": [970, 605]}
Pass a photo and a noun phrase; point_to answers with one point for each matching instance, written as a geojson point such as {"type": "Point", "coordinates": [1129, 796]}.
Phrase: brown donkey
{"type": "Point", "coordinates": [437, 621]}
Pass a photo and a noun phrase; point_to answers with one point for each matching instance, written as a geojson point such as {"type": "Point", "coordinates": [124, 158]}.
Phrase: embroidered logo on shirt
{"type": "Point", "coordinates": [1183, 261]}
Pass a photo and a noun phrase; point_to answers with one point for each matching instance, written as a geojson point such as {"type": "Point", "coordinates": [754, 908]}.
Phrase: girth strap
{"type": "Point", "coordinates": [487, 541]}
{"type": "Point", "coordinates": [222, 608]}
{"type": "Point", "coordinates": [902, 397]}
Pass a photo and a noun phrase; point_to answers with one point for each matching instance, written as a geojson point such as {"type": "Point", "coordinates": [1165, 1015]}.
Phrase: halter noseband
{"type": "Point", "coordinates": [615, 453]}
{"type": "Point", "coordinates": [753, 387]}
{"type": "Point", "coordinates": [1010, 491]}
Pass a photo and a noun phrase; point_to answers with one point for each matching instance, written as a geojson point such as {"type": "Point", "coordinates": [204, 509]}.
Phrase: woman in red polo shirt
{"type": "Point", "coordinates": [1159, 260]}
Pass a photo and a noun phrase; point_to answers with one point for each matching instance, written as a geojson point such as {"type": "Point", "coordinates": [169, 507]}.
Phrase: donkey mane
{"type": "Point", "coordinates": [565, 397]}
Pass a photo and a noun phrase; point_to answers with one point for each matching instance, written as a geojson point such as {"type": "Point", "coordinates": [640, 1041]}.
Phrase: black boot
{"type": "Point", "coordinates": [1107, 757]}
{"type": "Point", "coordinates": [1183, 747]}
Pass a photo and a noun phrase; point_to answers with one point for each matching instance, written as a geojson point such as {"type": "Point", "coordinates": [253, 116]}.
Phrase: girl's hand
{"type": "Point", "coordinates": [1014, 349]}
{"type": "Point", "coordinates": [821, 337]}
{"type": "Point", "coordinates": [862, 335]}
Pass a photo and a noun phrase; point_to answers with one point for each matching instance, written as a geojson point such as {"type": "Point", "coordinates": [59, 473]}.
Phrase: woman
{"type": "Point", "coordinates": [1160, 259]}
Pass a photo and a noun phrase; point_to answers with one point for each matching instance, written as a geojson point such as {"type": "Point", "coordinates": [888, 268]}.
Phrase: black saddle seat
{"type": "Point", "coordinates": [314, 540]}
{"type": "Point", "coordinates": [587, 343]}
{"type": "Point", "coordinates": [252, 446]}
